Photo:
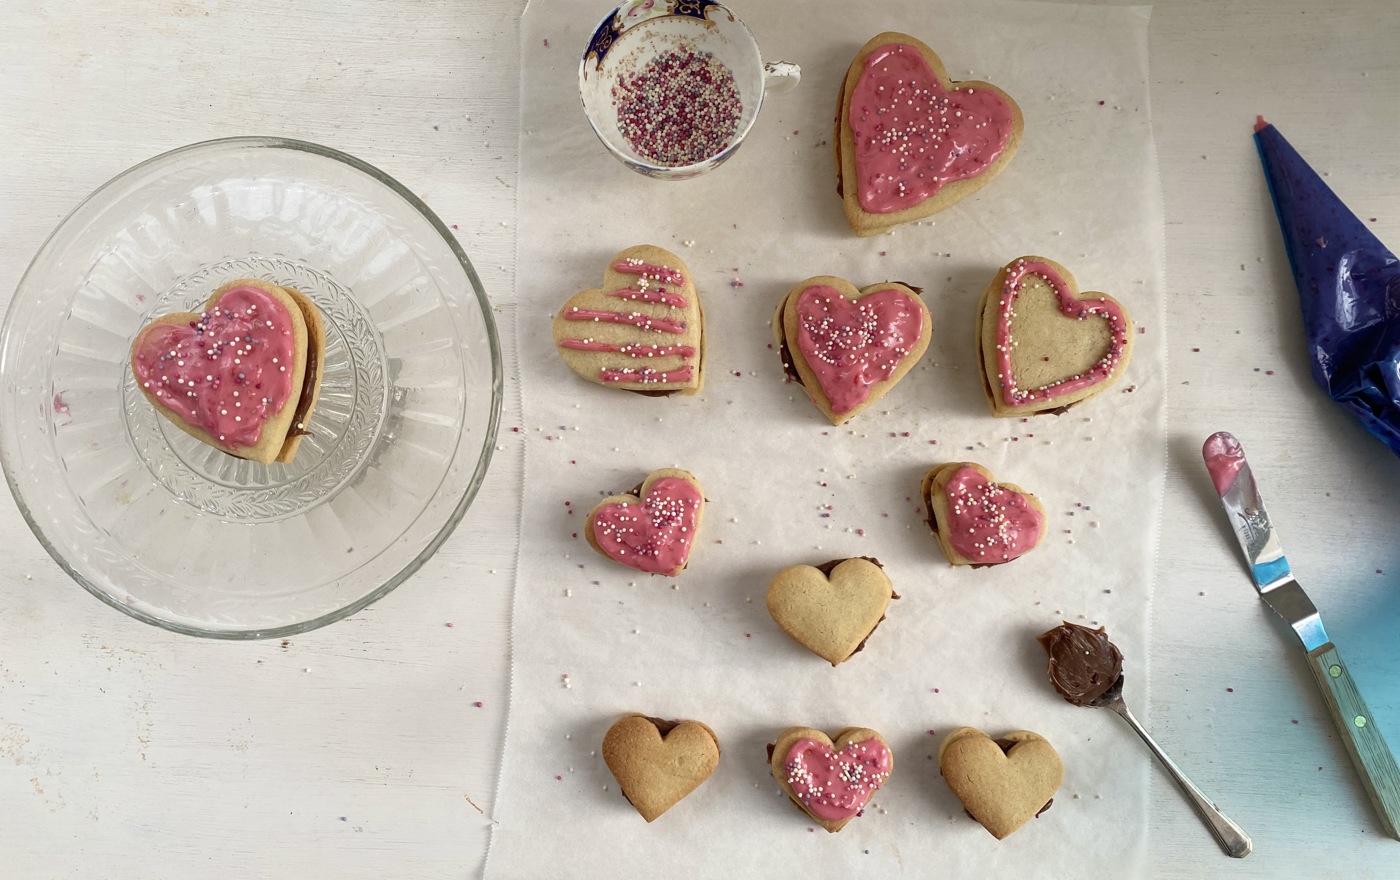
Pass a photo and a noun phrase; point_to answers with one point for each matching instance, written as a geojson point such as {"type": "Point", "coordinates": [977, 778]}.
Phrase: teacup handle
{"type": "Point", "coordinates": [780, 77]}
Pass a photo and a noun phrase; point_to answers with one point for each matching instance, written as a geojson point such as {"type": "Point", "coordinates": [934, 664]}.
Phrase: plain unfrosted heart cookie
{"type": "Point", "coordinates": [849, 347]}
{"type": "Point", "coordinates": [652, 529]}
{"type": "Point", "coordinates": [241, 376]}
{"type": "Point", "coordinates": [831, 609]}
{"type": "Point", "coordinates": [643, 330]}
{"type": "Point", "coordinates": [978, 520]}
{"type": "Point", "coordinates": [910, 142]}
{"type": "Point", "coordinates": [1002, 783]}
{"type": "Point", "coordinates": [831, 780]}
{"type": "Point", "coordinates": [1044, 346]}
{"type": "Point", "coordinates": [657, 762]}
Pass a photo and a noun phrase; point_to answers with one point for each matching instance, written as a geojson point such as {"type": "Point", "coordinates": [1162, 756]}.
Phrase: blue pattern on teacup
{"type": "Point", "coordinates": [637, 11]}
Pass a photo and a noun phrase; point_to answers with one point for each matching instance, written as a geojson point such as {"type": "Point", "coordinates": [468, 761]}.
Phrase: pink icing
{"type": "Point", "coordinates": [1260, 124]}
{"type": "Point", "coordinates": [1070, 307]}
{"type": "Point", "coordinates": [632, 349]}
{"type": "Point", "coordinates": [647, 376]}
{"type": "Point", "coordinates": [664, 274]}
{"type": "Point", "coordinates": [654, 536]}
{"type": "Point", "coordinates": [227, 372]}
{"type": "Point", "coordinates": [989, 523]}
{"type": "Point", "coordinates": [636, 319]}
{"type": "Point", "coordinates": [1224, 457]}
{"type": "Point", "coordinates": [912, 137]}
{"type": "Point", "coordinates": [852, 345]}
{"type": "Point", "coordinates": [641, 294]}
{"type": "Point", "coordinates": [836, 785]}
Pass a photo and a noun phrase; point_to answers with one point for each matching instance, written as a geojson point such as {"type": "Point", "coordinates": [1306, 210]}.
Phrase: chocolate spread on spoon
{"type": "Point", "coordinates": [1084, 664]}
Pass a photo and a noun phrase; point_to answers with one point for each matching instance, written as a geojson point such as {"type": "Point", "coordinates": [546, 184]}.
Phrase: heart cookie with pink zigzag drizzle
{"type": "Point", "coordinates": [848, 347]}
{"type": "Point", "coordinates": [911, 142]}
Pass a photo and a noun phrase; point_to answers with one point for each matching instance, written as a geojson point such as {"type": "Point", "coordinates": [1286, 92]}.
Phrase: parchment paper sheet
{"type": "Point", "coordinates": [593, 640]}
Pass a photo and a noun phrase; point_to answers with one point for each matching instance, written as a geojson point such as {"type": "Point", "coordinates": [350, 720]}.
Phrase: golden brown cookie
{"type": "Point", "coordinates": [849, 347]}
{"type": "Point", "coordinates": [652, 529]}
{"type": "Point", "coordinates": [657, 762]}
{"type": "Point", "coordinates": [831, 780]}
{"type": "Point", "coordinates": [643, 330]}
{"type": "Point", "coordinates": [241, 376]}
{"type": "Point", "coordinates": [1042, 345]}
{"type": "Point", "coordinates": [1002, 783]}
{"type": "Point", "coordinates": [978, 520]}
{"type": "Point", "coordinates": [831, 609]}
{"type": "Point", "coordinates": [912, 142]}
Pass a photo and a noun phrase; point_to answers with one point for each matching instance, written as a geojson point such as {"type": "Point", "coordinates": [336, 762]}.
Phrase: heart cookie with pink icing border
{"type": "Point", "coordinates": [652, 528]}
{"type": "Point", "coordinates": [1042, 345]}
{"type": "Point", "coordinates": [642, 331]}
{"type": "Point", "coordinates": [831, 780]}
{"type": "Point", "coordinates": [849, 347]}
{"type": "Point", "coordinates": [910, 141]}
{"type": "Point", "coordinates": [979, 521]}
{"type": "Point", "coordinates": [241, 376]}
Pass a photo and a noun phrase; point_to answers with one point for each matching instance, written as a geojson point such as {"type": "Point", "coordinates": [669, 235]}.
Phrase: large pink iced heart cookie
{"type": "Point", "coordinates": [848, 347]}
{"type": "Point", "coordinates": [980, 521]}
{"type": "Point", "coordinates": [653, 529]}
{"type": "Point", "coordinates": [831, 780]}
{"type": "Point", "coordinates": [910, 141]}
{"type": "Point", "coordinates": [241, 376]}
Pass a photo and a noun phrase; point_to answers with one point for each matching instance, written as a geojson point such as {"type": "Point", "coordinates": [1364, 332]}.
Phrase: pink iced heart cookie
{"type": "Point", "coordinates": [653, 528]}
{"type": "Point", "coordinates": [910, 141]}
{"type": "Point", "coordinates": [831, 780]}
{"type": "Point", "coordinates": [848, 347]}
{"type": "Point", "coordinates": [1043, 346]}
{"type": "Point", "coordinates": [979, 521]}
{"type": "Point", "coordinates": [243, 375]}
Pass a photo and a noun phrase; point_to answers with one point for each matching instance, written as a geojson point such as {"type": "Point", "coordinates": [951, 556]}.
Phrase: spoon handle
{"type": "Point", "coordinates": [1230, 836]}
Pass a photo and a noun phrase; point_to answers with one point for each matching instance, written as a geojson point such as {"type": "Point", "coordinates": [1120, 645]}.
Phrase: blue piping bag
{"type": "Point", "coordinates": [1348, 286]}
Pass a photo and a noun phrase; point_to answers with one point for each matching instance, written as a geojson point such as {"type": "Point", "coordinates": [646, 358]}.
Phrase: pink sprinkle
{"type": "Point", "coordinates": [567, 503]}
{"type": "Point", "coordinates": [1141, 330]}
{"type": "Point", "coordinates": [1101, 103]}
{"type": "Point", "coordinates": [454, 225]}
{"type": "Point", "coordinates": [932, 732]}
{"type": "Point", "coordinates": [559, 778]}
{"type": "Point", "coordinates": [1229, 690]}
{"type": "Point", "coordinates": [575, 535]}
{"type": "Point", "coordinates": [860, 532]}
{"type": "Point", "coordinates": [748, 635]}
{"type": "Point", "coordinates": [1195, 349]}
{"type": "Point", "coordinates": [1295, 720]}
{"type": "Point", "coordinates": [478, 704]}
{"type": "Point", "coordinates": [515, 430]}
{"type": "Point", "coordinates": [737, 373]}
{"type": "Point", "coordinates": [1373, 220]}
{"type": "Point", "coordinates": [935, 690]}
{"type": "Point", "coordinates": [449, 624]}
{"type": "Point", "coordinates": [882, 253]}
{"type": "Point", "coordinates": [1268, 372]}
{"type": "Point", "coordinates": [810, 828]}
{"type": "Point", "coordinates": [933, 442]}
{"type": "Point", "coordinates": [546, 42]}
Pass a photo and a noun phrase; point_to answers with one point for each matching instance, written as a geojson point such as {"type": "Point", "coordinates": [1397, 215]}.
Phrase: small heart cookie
{"type": "Point", "coordinates": [831, 609]}
{"type": "Point", "coordinates": [910, 142]}
{"type": "Point", "coordinates": [1042, 345]}
{"type": "Point", "coordinates": [652, 529]}
{"type": "Point", "coordinates": [642, 331]}
{"type": "Point", "coordinates": [657, 762]}
{"type": "Point", "coordinates": [831, 781]}
{"type": "Point", "coordinates": [979, 521]}
{"type": "Point", "coordinates": [243, 375]}
{"type": "Point", "coordinates": [1002, 783]}
{"type": "Point", "coordinates": [848, 347]}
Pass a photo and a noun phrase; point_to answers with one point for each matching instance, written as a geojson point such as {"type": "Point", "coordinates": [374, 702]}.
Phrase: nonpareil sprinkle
{"type": "Point", "coordinates": [680, 108]}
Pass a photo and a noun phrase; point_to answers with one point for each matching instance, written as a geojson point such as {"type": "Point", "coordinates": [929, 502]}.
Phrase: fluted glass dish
{"type": "Point", "coordinates": [179, 534]}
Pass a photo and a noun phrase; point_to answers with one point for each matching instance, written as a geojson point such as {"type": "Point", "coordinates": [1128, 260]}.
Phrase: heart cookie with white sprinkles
{"type": "Point", "coordinates": [979, 521]}
{"type": "Point", "coordinates": [642, 331]}
{"type": "Point", "coordinates": [1042, 345]}
{"type": "Point", "coordinates": [910, 142]}
{"type": "Point", "coordinates": [831, 780]}
{"type": "Point", "coordinates": [653, 528]}
{"type": "Point", "coordinates": [848, 347]}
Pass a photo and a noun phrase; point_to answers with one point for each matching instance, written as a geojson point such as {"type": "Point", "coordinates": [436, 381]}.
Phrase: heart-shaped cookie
{"type": "Point", "coordinates": [831, 609]}
{"type": "Point", "coordinates": [652, 529]}
{"type": "Point", "coordinates": [831, 780]}
{"type": "Point", "coordinates": [979, 521]}
{"type": "Point", "coordinates": [1042, 345]}
{"type": "Point", "coordinates": [243, 375]}
{"type": "Point", "coordinates": [656, 762]}
{"type": "Point", "coordinates": [1002, 783]}
{"type": "Point", "coordinates": [643, 330]}
{"type": "Point", "coordinates": [848, 347]}
{"type": "Point", "coordinates": [910, 142]}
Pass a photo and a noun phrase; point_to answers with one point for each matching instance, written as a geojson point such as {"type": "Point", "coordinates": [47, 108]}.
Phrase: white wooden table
{"type": "Point", "coordinates": [359, 750]}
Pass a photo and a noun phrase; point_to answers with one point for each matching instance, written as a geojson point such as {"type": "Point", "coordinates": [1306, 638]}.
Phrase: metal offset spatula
{"type": "Point", "coordinates": [1274, 580]}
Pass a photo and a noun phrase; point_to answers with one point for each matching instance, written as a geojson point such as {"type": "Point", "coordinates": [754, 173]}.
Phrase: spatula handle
{"type": "Point", "coordinates": [1369, 752]}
